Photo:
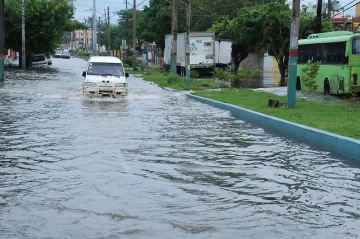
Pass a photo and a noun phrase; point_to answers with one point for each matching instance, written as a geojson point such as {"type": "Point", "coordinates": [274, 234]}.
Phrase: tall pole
{"type": "Point", "coordinates": [71, 41]}
{"type": "Point", "coordinates": [2, 40]}
{"type": "Point", "coordinates": [108, 15]}
{"type": "Point", "coordinates": [329, 9]}
{"type": "Point", "coordinates": [188, 19]}
{"type": "Point", "coordinates": [134, 35]}
{"type": "Point", "coordinates": [293, 55]}
{"type": "Point", "coordinates": [94, 28]}
{"type": "Point", "coordinates": [99, 34]}
{"type": "Point", "coordinates": [23, 54]}
{"type": "Point", "coordinates": [174, 40]}
{"type": "Point", "coordinates": [84, 43]}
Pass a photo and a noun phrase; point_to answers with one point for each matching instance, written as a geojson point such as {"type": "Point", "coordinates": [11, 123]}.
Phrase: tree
{"type": "Point", "coordinates": [276, 36]}
{"type": "Point", "coordinates": [205, 12]}
{"type": "Point", "coordinates": [265, 28]}
{"type": "Point", "coordinates": [157, 20]}
{"type": "Point", "coordinates": [45, 22]}
{"type": "Point", "coordinates": [309, 80]}
{"type": "Point", "coordinates": [308, 25]}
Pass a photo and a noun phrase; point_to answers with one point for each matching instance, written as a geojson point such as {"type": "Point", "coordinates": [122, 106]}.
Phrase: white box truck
{"type": "Point", "coordinates": [202, 51]}
{"type": "Point", "coordinates": [223, 52]}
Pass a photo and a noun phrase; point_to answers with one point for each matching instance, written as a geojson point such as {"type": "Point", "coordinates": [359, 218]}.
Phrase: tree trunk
{"type": "Point", "coordinates": [283, 63]}
{"type": "Point", "coordinates": [238, 54]}
{"type": "Point", "coordinates": [318, 16]}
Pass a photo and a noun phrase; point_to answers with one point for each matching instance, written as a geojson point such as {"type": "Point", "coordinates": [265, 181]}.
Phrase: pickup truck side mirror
{"type": "Point", "coordinates": [126, 74]}
{"type": "Point", "coordinates": [84, 73]}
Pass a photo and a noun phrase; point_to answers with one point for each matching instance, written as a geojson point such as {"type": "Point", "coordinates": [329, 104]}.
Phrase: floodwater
{"type": "Point", "coordinates": [157, 165]}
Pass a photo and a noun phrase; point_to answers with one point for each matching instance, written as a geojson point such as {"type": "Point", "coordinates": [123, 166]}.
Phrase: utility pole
{"type": "Point", "coordinates": [188, 19]}
{"type": "Point", "coordinates": [23, 54]}
{"type": "Point", "coordinates": [99, 36]}
{"type": "Point", "coordinates": [134, 36]}
{"type": "Point", "coordinates": [293, 54]}
{"type": "Point", "coordinates": [108, 15]}
{"type": "Point", "coordinates": [94, 28]}
{"type": "Point", "coordinates": [174, 40]}
{"type": "Point", "coordinates": [71, 41]}
{"type": "Point", "coordinates": [2, 41]}
{"type": "Point", "coordinates": [126, 4]}
{"type": "Point", "coordinates": [85, 36]}
{"type": "Point", "coordinates": [329, 9]}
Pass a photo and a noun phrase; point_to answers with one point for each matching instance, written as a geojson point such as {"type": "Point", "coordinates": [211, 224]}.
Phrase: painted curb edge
{"type": "Point", "coordinates": [345, 146]}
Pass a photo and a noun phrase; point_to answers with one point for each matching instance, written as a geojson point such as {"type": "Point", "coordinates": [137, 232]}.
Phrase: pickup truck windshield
{"type": "Point", "coordinates": [99, 68]}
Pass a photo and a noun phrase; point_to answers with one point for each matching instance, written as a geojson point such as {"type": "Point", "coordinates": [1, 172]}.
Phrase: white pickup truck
{"type": "Point", "coordinates": [105, 76]}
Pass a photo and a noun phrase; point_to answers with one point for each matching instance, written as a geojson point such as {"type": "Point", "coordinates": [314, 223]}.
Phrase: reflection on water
{"type": "Point", "coordinates": [157, 165]}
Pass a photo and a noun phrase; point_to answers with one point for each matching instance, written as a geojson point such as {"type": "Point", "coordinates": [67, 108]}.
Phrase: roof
{"type": "Point", "coordinates": [195, 34]}
{"type": "Point", "coordinates": [328, 39]}
{"type": "Point", "coordinates": [107, 59]}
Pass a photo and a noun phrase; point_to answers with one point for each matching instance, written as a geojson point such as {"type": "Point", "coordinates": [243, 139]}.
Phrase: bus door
{"type": "Point", "coordinates": [354, 62]}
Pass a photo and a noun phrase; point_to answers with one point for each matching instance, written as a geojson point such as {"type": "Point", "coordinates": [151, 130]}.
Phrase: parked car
{"type": "Point", "coordinates": [40, 60]}
{"type": "Point", "coordinates": [65, 54]}
{"type": "Point", "coordinates": [58, 54]}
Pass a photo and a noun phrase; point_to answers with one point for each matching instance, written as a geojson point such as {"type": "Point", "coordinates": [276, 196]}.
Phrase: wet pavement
{"type": "Point", "coordinates": [155, 164]}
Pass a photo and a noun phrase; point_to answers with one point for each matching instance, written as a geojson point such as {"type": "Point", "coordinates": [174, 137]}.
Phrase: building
{"type": "Point", "coordinates": [83, 39]}
{"type": "Point", "coordinates": [311, 7]}
{"type": "Point", "coordinates": [79, 39]}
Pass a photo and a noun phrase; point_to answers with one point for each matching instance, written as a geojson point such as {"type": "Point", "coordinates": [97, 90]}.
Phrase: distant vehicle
{"type": "Point", "coordinates": [339, 54]}
{"type": "Point", "coordinates": [65, 54]}
{"type": "Point", "coordinates": [105, 76]}
{"type": "Point", "coordinates": [202, 51]}
{"type": "Point", "coordinates": [58, 54]}
{"type": "Point", "coordinates": [40, 60]}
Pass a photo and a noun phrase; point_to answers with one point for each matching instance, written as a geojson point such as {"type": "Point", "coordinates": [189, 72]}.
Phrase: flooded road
{"type": "Point", "coordinates": [157, 165]}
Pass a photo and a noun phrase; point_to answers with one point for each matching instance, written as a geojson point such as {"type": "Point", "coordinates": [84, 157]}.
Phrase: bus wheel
{"type": "Point", "coordinates": [326, 87]}
{"type": "Point", "coordinates": [298, 84]}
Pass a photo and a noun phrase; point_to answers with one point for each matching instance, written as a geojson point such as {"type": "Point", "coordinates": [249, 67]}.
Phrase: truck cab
{"type": "Point", "coordinates": [105, 76]}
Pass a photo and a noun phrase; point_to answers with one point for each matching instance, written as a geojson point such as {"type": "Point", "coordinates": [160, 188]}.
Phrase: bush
{"type": "Point", "coordinates": [194, 74]}
{"type": "Point", "coordinates": [309, 80]}
{"type": "Point", "coordinates": [173, 78]}
{"type": "Point", "coordinates": [156, 68]}
{"type": "Point", "coordinates": [246, 75]}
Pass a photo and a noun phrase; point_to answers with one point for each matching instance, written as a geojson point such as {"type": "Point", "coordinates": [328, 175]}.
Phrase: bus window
{"type": "Point", "coordinates": [356, 46]}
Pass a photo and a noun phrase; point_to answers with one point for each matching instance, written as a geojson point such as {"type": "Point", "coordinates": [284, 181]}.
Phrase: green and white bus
{"type": "Point", "coordinates": [339, 53]}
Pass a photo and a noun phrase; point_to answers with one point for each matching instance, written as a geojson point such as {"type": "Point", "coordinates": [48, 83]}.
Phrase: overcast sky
{"type": "Point", "coordinates": [82, 7]}
{"type": "Point", "coordinates": [115, 5]}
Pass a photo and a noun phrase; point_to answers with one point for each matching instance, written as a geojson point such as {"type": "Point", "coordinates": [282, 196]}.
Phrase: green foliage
{"type": "Point", "coordinates": [308, 23]}
{"type": "Point", "coordinates": [45, 23]}
{"type": "Point", "coordinates": [173, 79]}
{"type": "Point", "coordinates": [223, 76]}
{"type": "Point", "coordinates": [309, 80]}
{"type": "Point", "coordinates": [264, 28]}
{"type": "Point", "coordinates": [194, 74]}
{"type": "Point", "coordinates": [129, 61]}
{"type": "Point", "coordinates": [246, 75]}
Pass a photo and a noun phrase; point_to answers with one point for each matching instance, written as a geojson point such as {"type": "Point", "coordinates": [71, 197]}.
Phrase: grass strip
{"type": "Point", "coordinates": [338, 118]}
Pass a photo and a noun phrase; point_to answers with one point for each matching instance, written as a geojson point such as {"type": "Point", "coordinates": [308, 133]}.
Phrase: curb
{"type": "Point", "coordinates": [345, 146]}
{"type": "Point", "coordinates": [172, 90]}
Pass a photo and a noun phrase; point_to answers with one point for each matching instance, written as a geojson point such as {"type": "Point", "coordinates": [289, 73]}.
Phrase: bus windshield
{"type": "Point", "coordinates": [100, 68]}
{"type": "Point", "coordinates": [356, 46]}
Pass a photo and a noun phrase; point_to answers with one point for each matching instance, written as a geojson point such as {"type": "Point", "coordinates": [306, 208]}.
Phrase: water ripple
{"type": "Point", "coordinates": [155, 164]}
